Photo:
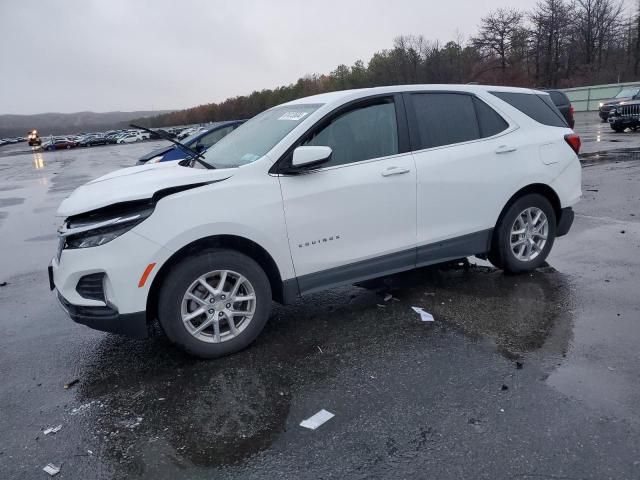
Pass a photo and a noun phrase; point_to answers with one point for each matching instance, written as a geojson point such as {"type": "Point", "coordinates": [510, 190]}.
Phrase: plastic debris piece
{"type": "Point", "coordinates": [504, 387]}
{"type": "Point", "coordinates": [519, 365]}
{"type": "Point", "coordinates": [388, 297]}
{"type": "Point", "coordinates": [71, 383]}
{"type": "Point", "coordinates": [52, 469]}
{"type": "Point", "coordinates": [316, 420]}
{"type": "Point", "coordinates": [53, 430]}
{"type": "Point", "coordinates": [318, 347]}
{"type": "Point", "coordinates": [424, 316]}
{"type": "Point", "coordinates": [4, 284]}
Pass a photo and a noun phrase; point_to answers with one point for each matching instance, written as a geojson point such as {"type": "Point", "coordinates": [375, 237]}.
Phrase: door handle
{"type": "Point", "coordinates": [394, 171]}
{"type": "Point", "coordinates": [505, 149]}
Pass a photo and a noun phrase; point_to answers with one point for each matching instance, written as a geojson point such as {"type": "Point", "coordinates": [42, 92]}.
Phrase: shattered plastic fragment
{"type": "Point", "coordinates": [51, 469]}
{"type": "Point", "coordinates": [53, 430]}
{"type": "Point", "coordinates": [424, 316]}
{"type": "Point", "coordinates": [316, 420]}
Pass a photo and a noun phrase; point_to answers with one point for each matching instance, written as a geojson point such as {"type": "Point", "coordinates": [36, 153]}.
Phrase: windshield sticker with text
{"type": "Point", "coordinates": [295, 116]}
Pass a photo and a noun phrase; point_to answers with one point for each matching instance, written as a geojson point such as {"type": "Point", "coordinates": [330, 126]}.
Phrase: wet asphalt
{"type": "Point", "coordinates": [520, 377]}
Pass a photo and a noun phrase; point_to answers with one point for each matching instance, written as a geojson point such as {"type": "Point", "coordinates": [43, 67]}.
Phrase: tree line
{"type": "Point", "coordinates": [558, 44]}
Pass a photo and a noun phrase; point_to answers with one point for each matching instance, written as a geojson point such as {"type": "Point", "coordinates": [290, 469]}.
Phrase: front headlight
{"type": "Point", "coordinates": [155, 159]}
{"type": "Point", "coordinates": [93, 230]}
{"type": "Point", "coordinates": [99, 238]}
{"type": "Point", "coordinates": [601, 104]}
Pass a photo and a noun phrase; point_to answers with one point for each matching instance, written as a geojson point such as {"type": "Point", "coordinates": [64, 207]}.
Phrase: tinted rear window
{"type": "Point", "coordinates": [559, 98]}
{"type": "Point", "coordinates": [444, 118]}
{"type": "Point", "coordinates": [490, 122]}
{"type": "Point", "coordinates": [534, 106]}
{"type": "Point", "coordinates": [450, 118]}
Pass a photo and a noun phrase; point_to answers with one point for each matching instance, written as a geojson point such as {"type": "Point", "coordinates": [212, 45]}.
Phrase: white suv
{"type": "Point", "coordinates": [325, 190]}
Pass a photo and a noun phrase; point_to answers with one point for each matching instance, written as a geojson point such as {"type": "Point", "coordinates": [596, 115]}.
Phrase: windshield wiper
{"type": "Point", "coordinates": [194, 154]}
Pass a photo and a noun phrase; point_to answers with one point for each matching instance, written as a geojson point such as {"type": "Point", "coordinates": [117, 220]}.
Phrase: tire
{"type": "Point", "coordinates": [618, 129]}
{"type": "Point", "coordinates": [183, 278]}
{"type": "Point", "coordinates": [502, 254]}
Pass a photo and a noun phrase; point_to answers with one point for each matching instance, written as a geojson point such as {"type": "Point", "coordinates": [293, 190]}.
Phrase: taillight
{"type": "Point", "coordinates": [574, 142]}
{"type": "Point", "coordinates": [571, 110]}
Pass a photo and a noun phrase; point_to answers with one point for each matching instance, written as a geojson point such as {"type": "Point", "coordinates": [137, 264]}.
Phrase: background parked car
{"type": "Point", "coordinates": [58, 144]}
{"type": "Point", "coordinates": [624, 96]}
{"type": "Point", "coordinates": [92, 140]}
{"type": "Point", "coordinates": [130, 138]}
{"type": "Point", "coordinates": [199, 141]}
{"type": "Point", "coordinates": [563, 103]}
{"type": "Point", "coordinates": [626, 115]}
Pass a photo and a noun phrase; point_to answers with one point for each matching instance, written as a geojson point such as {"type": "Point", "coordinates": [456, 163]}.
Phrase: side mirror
{"type": "Point", "coordinates": [199, 148]}
{"type": "Point", "coordinates": [309, 156]}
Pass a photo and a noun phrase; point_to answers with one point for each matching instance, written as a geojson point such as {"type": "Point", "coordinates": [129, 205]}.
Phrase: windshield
{"type": "Point", "coordinates": [253, 139]}
{"type": "Point", "coordinates": [627, 92]}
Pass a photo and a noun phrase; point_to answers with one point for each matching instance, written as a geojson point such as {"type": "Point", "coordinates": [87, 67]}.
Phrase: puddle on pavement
{"type": "Point", "coordinates": [217, 413]}
{"type": "Point", "coordinates": [620, 155]}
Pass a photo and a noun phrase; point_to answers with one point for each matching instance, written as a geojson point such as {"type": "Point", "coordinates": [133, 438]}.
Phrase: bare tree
{"type": "Point", "coordinates": [551, 27]}
{"type": "Point", "coordinates": [498, 30]}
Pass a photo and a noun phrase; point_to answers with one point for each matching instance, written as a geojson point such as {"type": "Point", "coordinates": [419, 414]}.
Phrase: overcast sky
{"type": "Point", "coordinates": [105, 55]}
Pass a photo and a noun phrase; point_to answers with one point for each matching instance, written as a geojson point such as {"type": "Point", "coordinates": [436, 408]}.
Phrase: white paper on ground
{"type": "Point", "coordinates": [424, 316]}
{"type": "Point", "coordinates": [316, 420]}
{"type": "Point", "coordinates": [53, 430]}
{"type": "Point", "coordinates": [51, 469]}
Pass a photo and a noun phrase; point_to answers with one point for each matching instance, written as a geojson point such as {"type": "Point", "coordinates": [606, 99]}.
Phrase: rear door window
{"type": "Point", "coordinates": [450, 118]}
{"type": "Point", "coordinates": [538, 107]}
{"type": "Point", "coordinates": [443, 119]}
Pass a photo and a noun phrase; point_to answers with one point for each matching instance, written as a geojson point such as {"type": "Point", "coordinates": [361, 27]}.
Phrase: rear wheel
{"type": "Point", "coordinates": [618, 129]}
{"type": "Point", "coordinates": [524, 236]}
{"type": "Point", "coordinates": [215, 303]}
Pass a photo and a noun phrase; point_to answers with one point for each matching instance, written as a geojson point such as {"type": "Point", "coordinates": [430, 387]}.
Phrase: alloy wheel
{"type": "Point", "coordinates": [218, 306]}
{"type": "Point", "coordinates": [529, 234]}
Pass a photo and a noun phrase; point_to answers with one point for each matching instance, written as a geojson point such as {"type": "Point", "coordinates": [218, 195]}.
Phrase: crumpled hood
{"type": "Point", "coordinates": [135, 183]}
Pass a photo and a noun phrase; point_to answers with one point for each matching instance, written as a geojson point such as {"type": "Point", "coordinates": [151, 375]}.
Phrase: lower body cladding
{"type": "Point", "coordinates": [113, 298]}
{"type": "Point", "coordinates": [103, 288]}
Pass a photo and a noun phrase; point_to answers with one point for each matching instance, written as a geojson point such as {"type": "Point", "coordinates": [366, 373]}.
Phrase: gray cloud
{"type": "Point", "coordinates": [74, 55]}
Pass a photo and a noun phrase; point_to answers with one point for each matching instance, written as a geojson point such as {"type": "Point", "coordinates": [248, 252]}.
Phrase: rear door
{"type": "Point", "coordinates": [355, 217]}
{"type": "Point", "coordinates": [463, 154]}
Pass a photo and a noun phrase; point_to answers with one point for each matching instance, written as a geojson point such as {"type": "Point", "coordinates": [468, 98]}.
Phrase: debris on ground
{"type": "Point", "coordinates": [424, 316]}
{"type": "Point", "coordinates": [4, 284]}
{"type": "Point", "coordinates": [429, 294]}
{"type": "Point", "coordinates": [316, 420]}
{"type": "Point", "coordinates": [53, 430]}
{"type": "Point", "coordinates": [67, 386]}
{"type": "Point", "coordinates": [52, 469]}
{"type": "Point", "coordinates": [379, 306]}
{"type": "Point", "coordinates": [388, 297]}
{"type": "Point", "coordinates": [131, 424]}
{"type": "Point", "coordinates": [82, 408]}
{"type": "Point", "coordinates": [318, 347]}
{"type": "Point", "coordinates": [504, 387]}
{"type": "Point", "coordinates": [519, 365]}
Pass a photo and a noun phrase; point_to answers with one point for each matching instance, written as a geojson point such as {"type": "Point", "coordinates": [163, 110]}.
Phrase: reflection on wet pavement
{"type": "Point", "coordinates": [212, 414]}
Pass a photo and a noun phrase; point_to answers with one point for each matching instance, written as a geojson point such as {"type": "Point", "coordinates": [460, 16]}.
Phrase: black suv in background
{"type": "Point", "coordinates": [625, 95]}
{"type": "Point", "coordinates": [563, 103]}
{"type": "Point", "coordinates": [625, 116]}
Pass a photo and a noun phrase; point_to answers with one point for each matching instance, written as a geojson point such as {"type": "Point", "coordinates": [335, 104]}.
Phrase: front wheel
{"type": "Point", "coordinates": [524, 236]}
{"type": "Point", "coordinates": [215, 303]}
